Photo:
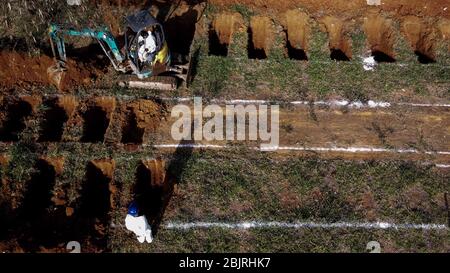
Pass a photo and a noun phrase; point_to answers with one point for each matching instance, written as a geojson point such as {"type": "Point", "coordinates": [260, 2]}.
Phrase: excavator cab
{"type": "Point", "coordinates": [138, 27]}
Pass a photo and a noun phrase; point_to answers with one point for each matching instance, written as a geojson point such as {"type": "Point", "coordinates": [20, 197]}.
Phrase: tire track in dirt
{"type": "Point", "coordinates": [380, 133]}
{"type": "Point", "coordinates": [140, 122]}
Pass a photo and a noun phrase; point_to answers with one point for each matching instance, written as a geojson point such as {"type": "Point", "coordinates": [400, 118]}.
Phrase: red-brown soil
{"type": "Point", "coordinates": [297, 28]}
{"type": "Point", "coordinates": [225, 25]}
{"type": "Point", "coordinates": [421, 36]}
{"type": "Point", "coordinates": [346, 8]}
{"type": "Point", "coordinates": [380, 34]}
{"type": "Point", "coordinates": [339, 43]}
{"type": "Point", "coordinates": [21, 70]}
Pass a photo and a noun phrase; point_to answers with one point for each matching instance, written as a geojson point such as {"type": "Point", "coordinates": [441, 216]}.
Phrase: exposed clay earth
{"type": "Point", "coordinates": [42, 206]}
{"type": "Point", "coordinates": [423, 129]}
{"type": "Point", "coordinates": [21, 70]}
{"type": "Point", "coordinates": [346, 8]}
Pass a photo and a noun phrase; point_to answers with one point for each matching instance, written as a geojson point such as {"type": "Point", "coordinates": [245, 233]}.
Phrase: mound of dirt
{"type": "Point", "coordinates": [421, 36]}
{"type": "Point", "coordinates": [141, 117]}
{"type": "Point", "coordinates": [297, 28]}
{"type": "Point", "coordinates": [339, 44]}
{"type": "Point", "coordinates": [440, 8]}
{"type": "Point", "coordinates": [4, 160]}
{"type": "Point", "coordinates": [148, 114]}
{"type": "Point", "coordinates": [380, 35]}
{"type": "Point", "coordinates": [262, 32]}
{"type": "Point", "coordinates": [108, 104]}
{"type": "Point", "coordinates": [260, 37]}
{"type": "Point", "coordinates": [21, 70]}
{"type": "Point", "coordinates": [225, 25]}
{"type": "Point", "coordinates": [157, 171]}
{"type": "Point", "coordinates": [56, 162]}
{"type": "Point", "coordinates": [444, 28]}
{"type": "Point", "coordinates": [68, 103]}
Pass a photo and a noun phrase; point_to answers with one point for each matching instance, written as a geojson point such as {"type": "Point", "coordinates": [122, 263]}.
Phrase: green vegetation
{"type": "Point", "coordinates": [243, 10]}
{"type": "Point", "coordinates": [286, 241]}
{"type": "Point", "coordinates": [236, 186]}
{"type": "Point", "coordinates": [228, 187]}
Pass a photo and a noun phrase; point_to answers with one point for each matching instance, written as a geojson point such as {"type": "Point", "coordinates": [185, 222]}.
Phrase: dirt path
{"type": "Point", "coordinates": [404, 131]}
{"type": "Point", "coordinates": [399, 132]}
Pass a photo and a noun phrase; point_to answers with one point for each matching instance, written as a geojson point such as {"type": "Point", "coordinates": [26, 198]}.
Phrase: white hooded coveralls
{"type": "Point", "coordinates": [140, 227]}
{"type": "Point", "coordinates": [148, 47]}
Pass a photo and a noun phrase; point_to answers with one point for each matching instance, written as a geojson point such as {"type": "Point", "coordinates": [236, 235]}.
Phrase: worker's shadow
{"type": "Point", "coordinates": [34, 225]}
{"type": "Point", "coordinates": [153, 198]}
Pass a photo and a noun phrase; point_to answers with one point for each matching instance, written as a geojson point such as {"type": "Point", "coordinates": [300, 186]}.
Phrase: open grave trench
{"type": "Point", "coordinates": [68, 119]}
{"type": "Point", "coordinates": [64, 199]}
{"type": "Point", "coordinates": [45, 211]}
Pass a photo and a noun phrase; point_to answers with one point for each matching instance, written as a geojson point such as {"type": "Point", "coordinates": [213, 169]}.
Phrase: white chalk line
{"type": "Point", "coordinates": [336, 103]}
{"type": "Point", "coordinates": [399, 64]}
{"type": "Point", "coordinates": [297, 148]}
{"type": "Point", "coordinates": [303, 225]}
{"type": "Point", "coordinates": [314, 149]}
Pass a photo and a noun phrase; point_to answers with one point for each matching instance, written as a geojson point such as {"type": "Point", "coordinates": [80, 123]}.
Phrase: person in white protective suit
{"type": "Point", "coordinates": [147, 47]}
{"type": "Point", "coordinates": [138, 224]}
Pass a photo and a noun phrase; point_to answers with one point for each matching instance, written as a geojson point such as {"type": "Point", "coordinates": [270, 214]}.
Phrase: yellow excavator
{"type": "Point", "coordinates": [142, 67]}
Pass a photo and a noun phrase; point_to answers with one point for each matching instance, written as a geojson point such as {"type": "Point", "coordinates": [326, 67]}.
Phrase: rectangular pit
{"type": "Point", "coordinates": [14, 123]}
{"type": "Point", "coordinates": [55, 118]}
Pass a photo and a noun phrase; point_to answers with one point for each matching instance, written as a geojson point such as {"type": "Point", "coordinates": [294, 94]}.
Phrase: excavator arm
{"type": "Point", "coordinates": [103, 37]}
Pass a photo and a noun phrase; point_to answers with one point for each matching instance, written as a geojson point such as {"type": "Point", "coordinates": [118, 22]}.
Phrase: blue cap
{"type": "Point", "coordinates": [133, 209]}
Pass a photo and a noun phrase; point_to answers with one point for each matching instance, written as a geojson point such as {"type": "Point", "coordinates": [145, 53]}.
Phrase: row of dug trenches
{"type": "Point", "coordinates": [381, 32]}
{"type": "Point", "coordinates": [44, 214]}
{"type": "Point", "coordinates": [66, 118]}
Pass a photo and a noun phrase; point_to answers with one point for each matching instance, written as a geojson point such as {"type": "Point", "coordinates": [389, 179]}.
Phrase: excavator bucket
{"type": "Point", "coordinates": [55, 74]}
